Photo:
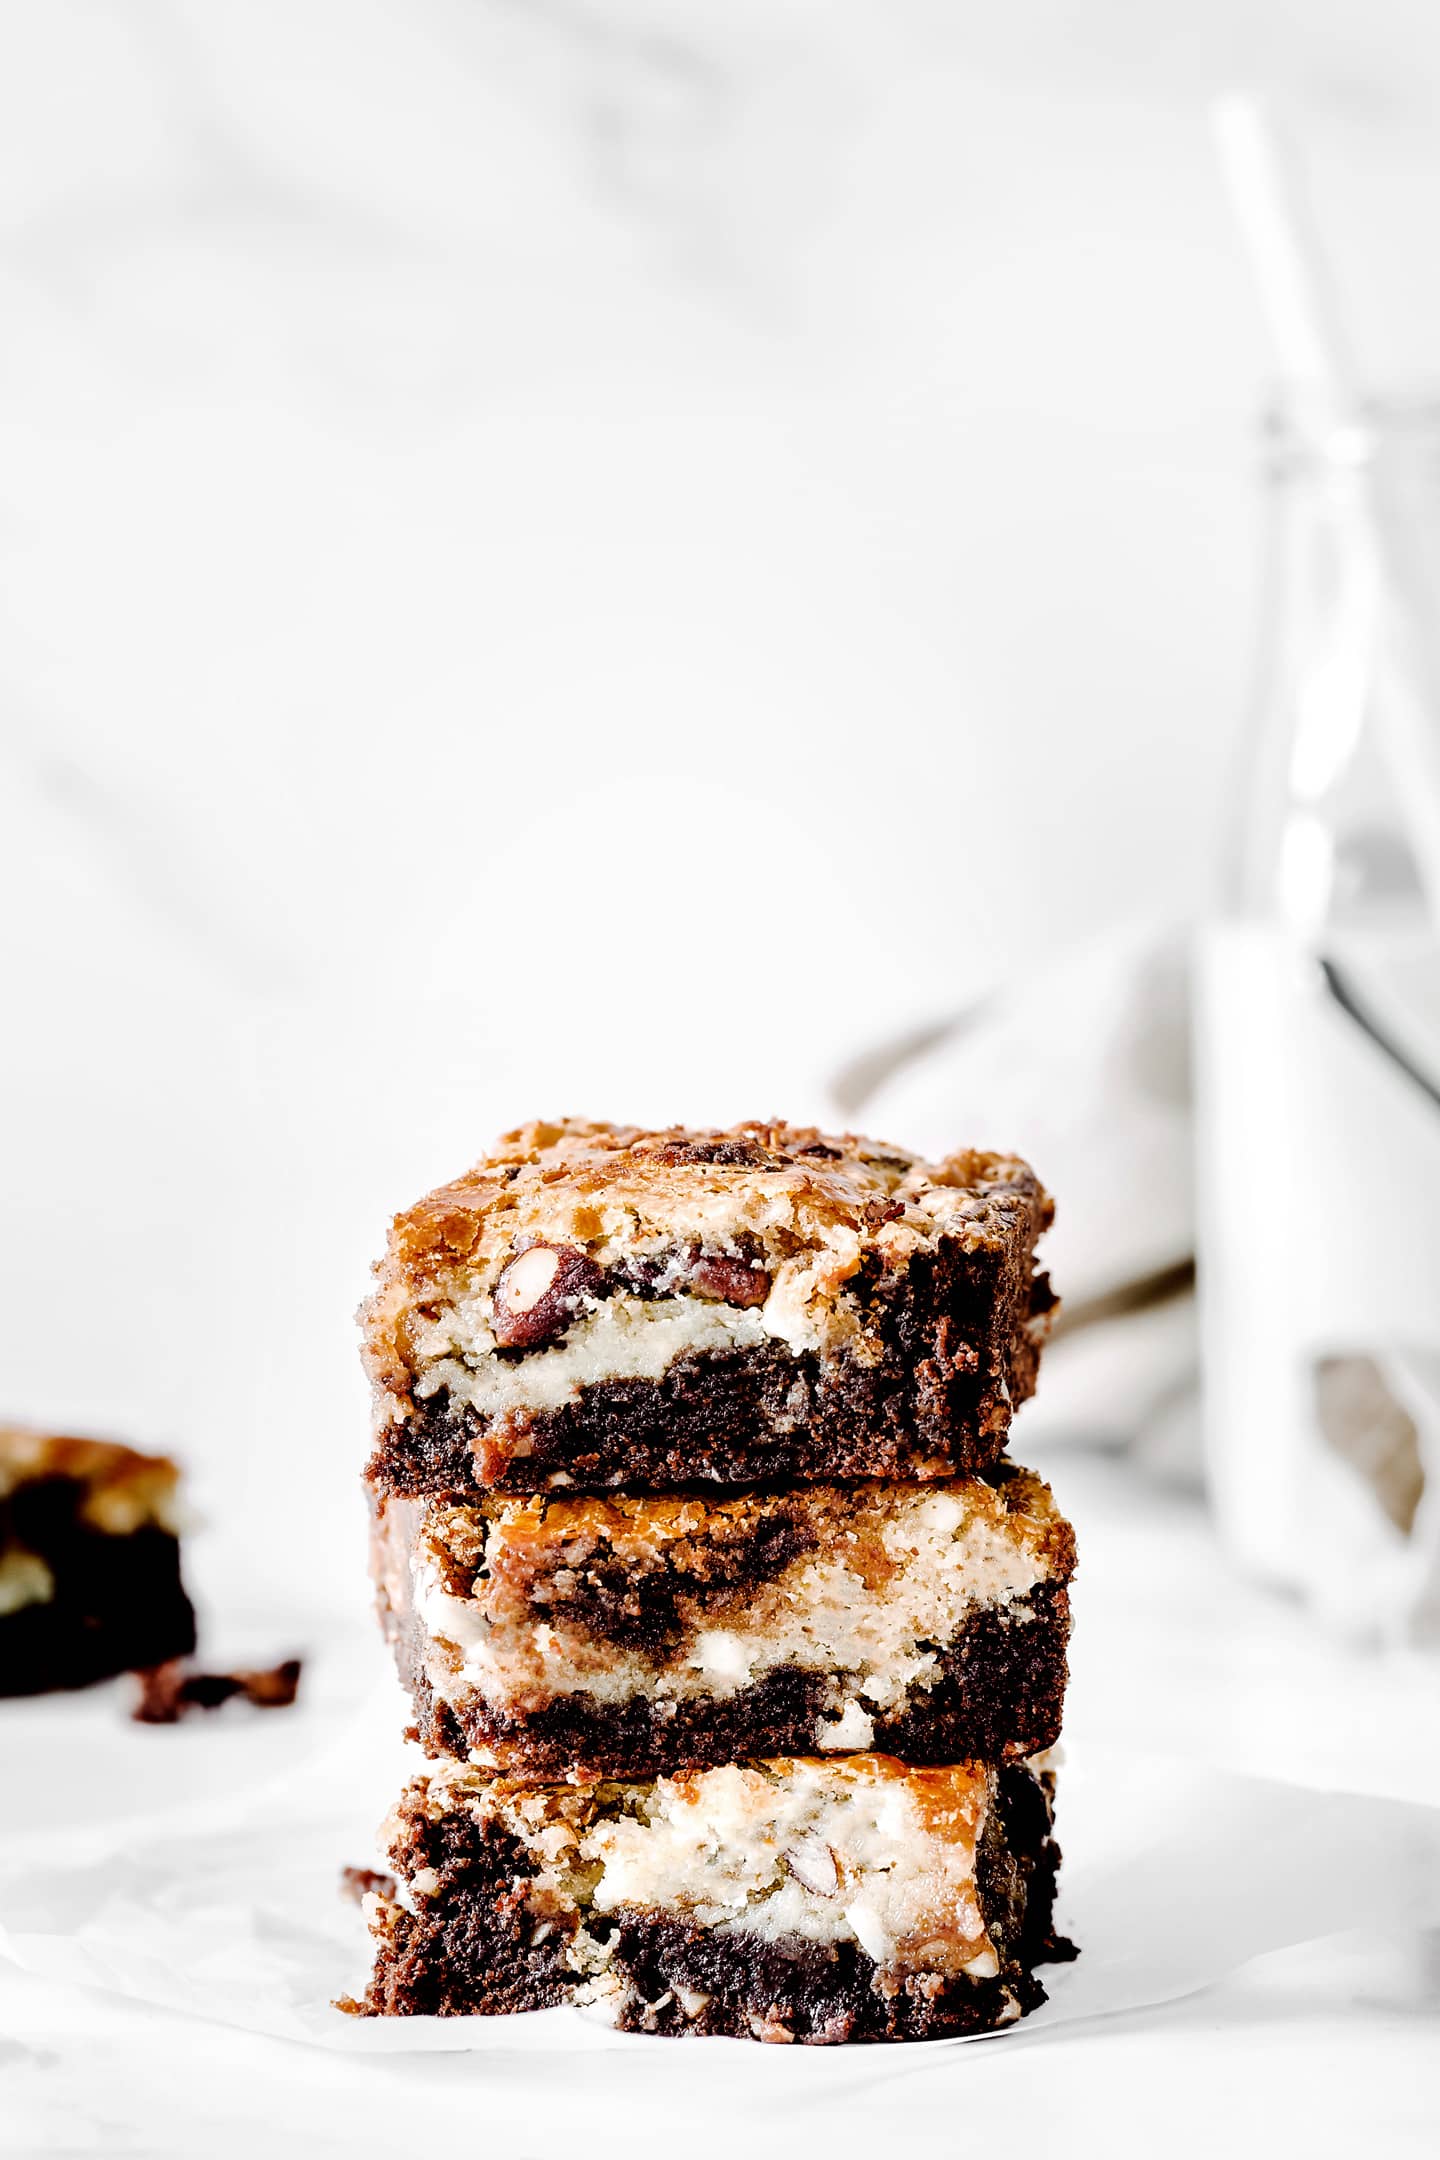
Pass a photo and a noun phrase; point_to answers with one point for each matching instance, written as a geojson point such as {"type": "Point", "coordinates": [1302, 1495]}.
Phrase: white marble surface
{"type": "Point", "coordinates": [481, 481]}
{"type": "Point", "coordinates": [477, 481]}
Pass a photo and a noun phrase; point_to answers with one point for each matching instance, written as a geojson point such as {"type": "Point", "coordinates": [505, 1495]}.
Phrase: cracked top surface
{"type": "Point", "coordinates": [760, 1215]}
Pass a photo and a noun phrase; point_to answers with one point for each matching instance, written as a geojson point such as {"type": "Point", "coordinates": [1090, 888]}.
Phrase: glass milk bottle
{"type": "Point", "coordinates": [1318, 1066]}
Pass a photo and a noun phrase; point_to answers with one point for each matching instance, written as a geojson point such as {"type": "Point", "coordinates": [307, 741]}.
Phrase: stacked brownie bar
{"type": "Point", "coordinates": [735, 1642]}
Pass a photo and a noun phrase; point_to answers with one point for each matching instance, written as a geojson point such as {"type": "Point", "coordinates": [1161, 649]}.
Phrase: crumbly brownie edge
{"type": "Point", "coordinates": [962, 1336]}
{"type": "Point", "coordinates": [479, 1949]}
{"type": "Point", "coordinates": [999, 1694]}
{"type": "Point", "coordinates": [433, 1966]}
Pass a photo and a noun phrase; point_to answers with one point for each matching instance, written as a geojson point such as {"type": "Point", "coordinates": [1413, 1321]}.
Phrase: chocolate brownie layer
{"type": "Point", "coordinates": [596, 1306]}
{"type": "Point", "coordinates": [997, 1690]}
{"type": "Point", "coordinates": [634, 1635]}
{"type": "Point", "coordinates": [818, 1901]}
{"type": "Point", "coordinates": [89, 1562]}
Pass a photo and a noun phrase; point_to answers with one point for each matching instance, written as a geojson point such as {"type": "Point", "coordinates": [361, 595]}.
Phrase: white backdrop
{"type": "Point", "coordinates": [586, 555]}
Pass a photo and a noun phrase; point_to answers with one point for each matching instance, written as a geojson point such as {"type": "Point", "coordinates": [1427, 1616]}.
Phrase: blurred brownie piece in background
{"type": "Point", "coordinates": [89, 1562]}
{"type": "Point", "coordinates": [635, 1634]}
{"type": "Point", "coordinates": [597, 1306]}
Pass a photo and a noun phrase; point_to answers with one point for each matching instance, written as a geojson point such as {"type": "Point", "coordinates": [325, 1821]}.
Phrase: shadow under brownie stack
{"type": "Point", "coordinates": [736, 1644]}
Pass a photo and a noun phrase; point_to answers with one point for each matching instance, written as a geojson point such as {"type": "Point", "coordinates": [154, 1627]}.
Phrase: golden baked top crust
{"type": "Point", "coordinates": [596, 1183]}
{"type": "Point", "coordinates": [123, 1488]}
{"type": "Point", "coordinates": [793, 1209]}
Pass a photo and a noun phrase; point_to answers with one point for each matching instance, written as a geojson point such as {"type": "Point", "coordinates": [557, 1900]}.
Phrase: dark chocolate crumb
{"type": "Point", "coordinates": [721, 1153]}
{"type": "Point", "coordinates": [357, 1883]}
{"type": "Point", "coordinates": [171, 1691]}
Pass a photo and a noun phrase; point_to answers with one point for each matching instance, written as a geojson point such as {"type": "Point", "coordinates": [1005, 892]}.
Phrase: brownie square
{"type": "Point", "coordinates": [633, 1635]}
{"type": "Point", "coordinates": [89, 1562]}
{"type": "Point", "coordinates": [852, 1898]}
{"type": "Point", "coordinates": [595, 1306]}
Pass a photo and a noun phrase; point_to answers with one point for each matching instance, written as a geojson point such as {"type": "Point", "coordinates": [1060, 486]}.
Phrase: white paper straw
{"type": "Point", "coordinates": [1289, 267]}
{"type": "Point", "coordinates": [1297, 295]}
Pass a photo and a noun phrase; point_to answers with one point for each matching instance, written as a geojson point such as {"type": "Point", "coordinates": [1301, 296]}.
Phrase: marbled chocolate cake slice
{"type": "Point", "coordinates": [841, 1899]}
{"type": "Point", "coordinates": [594, 1306]}
{"type": "Point", "coordinates": [89, 1562]}
{"type": "Point", "coordinates": [637, 1634]}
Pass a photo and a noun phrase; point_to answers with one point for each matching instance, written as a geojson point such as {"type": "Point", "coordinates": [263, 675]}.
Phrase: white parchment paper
{"type": "Point", "coordinates": [1174, 1875]}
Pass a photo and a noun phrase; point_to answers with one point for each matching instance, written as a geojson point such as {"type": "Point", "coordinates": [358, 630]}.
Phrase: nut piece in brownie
{"type": "Point", "coordinates": [849, 1898]}
{"type": "Point", "coordinates": [597, 1306]}
{"type": "Point", "coordinates": [638, 1634]}
{"type": "Point", "coordinates": [89, 1562]}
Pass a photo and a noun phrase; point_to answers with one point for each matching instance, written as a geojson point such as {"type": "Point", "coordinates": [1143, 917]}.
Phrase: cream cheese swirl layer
{"type": "Point", "coordinates": [878, 1632]}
